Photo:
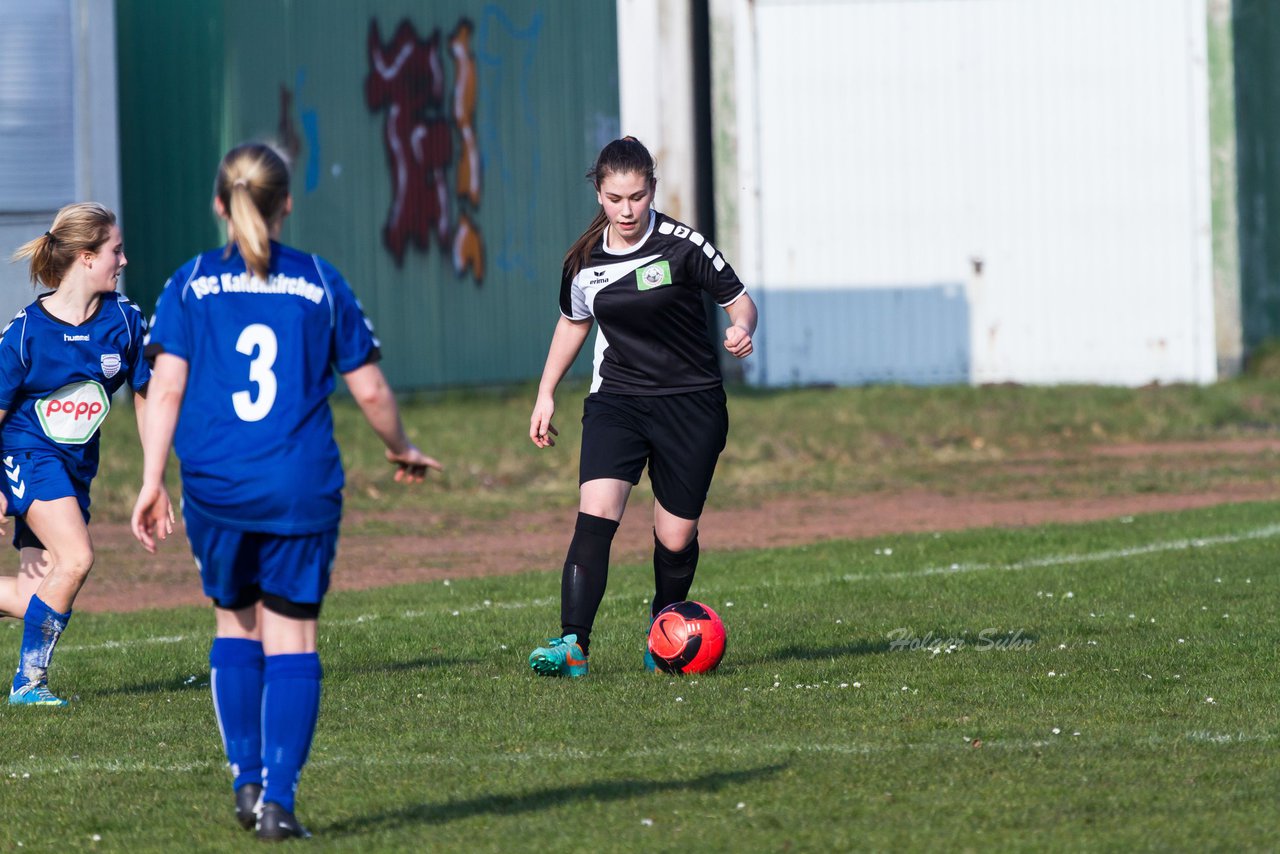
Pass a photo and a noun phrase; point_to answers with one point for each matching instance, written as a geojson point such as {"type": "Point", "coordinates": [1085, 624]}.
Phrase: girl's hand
{"type": "Point", "coordinates": [152, 516]}
{"type": "Point", "coordinates": [738, 341]}
{"type": "Point", "coordinates": [541, 430]}
{"type": "Point", "coordinates": [411, 465]}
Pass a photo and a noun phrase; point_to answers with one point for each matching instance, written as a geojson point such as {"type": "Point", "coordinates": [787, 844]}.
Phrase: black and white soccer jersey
{"type": "Point", "coordinates": [652, 336]}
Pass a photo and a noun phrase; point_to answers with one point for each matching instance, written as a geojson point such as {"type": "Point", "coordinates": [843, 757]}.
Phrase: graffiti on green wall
{"type": "Point", "coordinates": [406, 80]}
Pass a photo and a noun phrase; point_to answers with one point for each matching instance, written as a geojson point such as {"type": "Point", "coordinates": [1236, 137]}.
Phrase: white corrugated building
{"type": "Point", "coordinates": [935, 191]}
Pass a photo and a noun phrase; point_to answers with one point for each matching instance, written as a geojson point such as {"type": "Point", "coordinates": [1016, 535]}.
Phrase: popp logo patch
{"type": "Point", "coordinates": [73, 413]}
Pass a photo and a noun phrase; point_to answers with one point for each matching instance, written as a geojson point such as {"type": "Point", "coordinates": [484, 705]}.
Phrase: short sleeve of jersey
{"type": "Point", "coordinates": [354, 344]}
{"type": "Point", "coordinates": [140, 370]}
{"type": "Point", "coordinates": [717, 277]}
{"type": "Point", "coordinates": [168, 332]}
{"type": "Point", "coordinates": [12, 370]}
{"type": "Point", "coordinates": [573, 301]}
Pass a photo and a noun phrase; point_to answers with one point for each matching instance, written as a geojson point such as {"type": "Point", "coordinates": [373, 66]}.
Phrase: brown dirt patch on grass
{"type": "Point", "coordinates": [126, 578]}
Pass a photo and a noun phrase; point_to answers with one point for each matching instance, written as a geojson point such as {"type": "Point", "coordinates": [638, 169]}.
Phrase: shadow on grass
{"type": "Point", "coordinates": [200, 681]}
{"type": "Point", "coordinates": [347, 668]}
{"type": "Point", "coordinates": [814, 653]}
{"type": "Point", "coordinates": [554, 797]}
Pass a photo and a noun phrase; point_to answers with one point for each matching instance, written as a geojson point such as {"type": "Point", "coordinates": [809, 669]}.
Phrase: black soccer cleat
{"type": "Point", "coordinates": [276, 824]}
{"type": "Point", "coordinates": [247, 805]}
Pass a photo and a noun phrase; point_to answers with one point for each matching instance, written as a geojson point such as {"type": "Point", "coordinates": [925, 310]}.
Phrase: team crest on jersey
{"type": "Point", "coordinates": [110, 364]}
{"type": "Point", "coordinates": [653, 275]}
{"type": "Point", "coordinates": [72, 414]}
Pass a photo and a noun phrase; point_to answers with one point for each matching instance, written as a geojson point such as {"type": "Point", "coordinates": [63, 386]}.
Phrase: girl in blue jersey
{"type": "Point", "coordinates": [657, 397]}
{"type": "Point", "coordinates": [245, 342]}
{"type": "Point", "coordinates": [62, 358]}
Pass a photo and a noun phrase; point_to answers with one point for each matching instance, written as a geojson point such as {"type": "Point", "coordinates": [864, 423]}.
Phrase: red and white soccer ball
{"type": "Point", "coordinates": [687, 637]}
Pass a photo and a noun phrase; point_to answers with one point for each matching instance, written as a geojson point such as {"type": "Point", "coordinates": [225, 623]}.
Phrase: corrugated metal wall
{"type": "Point", "coordinates": [439, 154]}
{"type": "Point", "coordinates": [57, 123]}
{"type": "Point", "coordinates": [1256, 28]}
{"type": "Point", "coordinates": [1027, 180]}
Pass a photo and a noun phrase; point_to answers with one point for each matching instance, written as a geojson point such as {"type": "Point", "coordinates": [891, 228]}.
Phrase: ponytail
{"type": "Point", "coordinates": [80, 227]}
{"type": "Point", "coordinates": [620, 156]}
{"type": "Point", "coordinates": [576, 258]}
{"type": "Point", "coordinates": [253, 186]}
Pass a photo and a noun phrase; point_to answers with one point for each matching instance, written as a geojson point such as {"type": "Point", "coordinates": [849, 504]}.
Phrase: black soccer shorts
{"type": "Point", "coordinates": [680, 436]}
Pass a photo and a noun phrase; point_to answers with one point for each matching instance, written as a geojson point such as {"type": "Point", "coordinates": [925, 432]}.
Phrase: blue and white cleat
{"type": "Point", "coordinates": [34, 694]}
{"type": "Point", "coordinates": [560, 657]}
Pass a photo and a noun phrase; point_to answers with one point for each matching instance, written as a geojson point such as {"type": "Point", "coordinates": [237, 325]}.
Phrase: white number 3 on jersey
{"type": "Point", "coordinates": [258, 337]}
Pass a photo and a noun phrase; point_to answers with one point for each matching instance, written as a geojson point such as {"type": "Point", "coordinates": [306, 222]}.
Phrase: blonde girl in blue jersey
{"type": "Point", "coordinates": [246, 340]}
{"type": "Point", "coordinates": [62, 359]}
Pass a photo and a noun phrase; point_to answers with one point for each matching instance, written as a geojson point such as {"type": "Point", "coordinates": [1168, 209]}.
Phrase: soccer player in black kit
{"type": "Point", "coordinates": [657, 396]}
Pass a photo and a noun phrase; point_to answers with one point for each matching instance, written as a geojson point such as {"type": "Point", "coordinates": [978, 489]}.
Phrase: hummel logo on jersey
{"type": "Point", "coordinates": [22, 312]}
{"type": "Point", "coordinates": [17, 487]}
{"type": "Point", "coordinates": [66, 337]}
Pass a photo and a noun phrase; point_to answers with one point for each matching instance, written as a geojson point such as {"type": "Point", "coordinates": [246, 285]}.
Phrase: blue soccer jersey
{"type": "Point", "coordinates": [255, 433]}
{"type": "Point", "coordinates": [57, 379]}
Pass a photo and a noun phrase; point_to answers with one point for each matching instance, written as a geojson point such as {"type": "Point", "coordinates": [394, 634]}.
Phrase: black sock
{"type": "Point", "coordinates": [586, 571]}
{"type": "Point", "coordinates": [672, 573]}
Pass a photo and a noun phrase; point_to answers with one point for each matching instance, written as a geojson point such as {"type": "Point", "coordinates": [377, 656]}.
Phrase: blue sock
{"type": "Point", "coordinates": [290, 706]}
{"type": "Point", "coordinates": [42, 626]}
{"type": "Point", "coordinates": [235, 679]}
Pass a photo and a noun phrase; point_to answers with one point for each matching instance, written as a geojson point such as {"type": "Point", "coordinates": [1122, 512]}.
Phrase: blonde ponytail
{"type": "Point", "coordinates": [80, 227]}
{"type": "Point", "coordinates": [253, 186]}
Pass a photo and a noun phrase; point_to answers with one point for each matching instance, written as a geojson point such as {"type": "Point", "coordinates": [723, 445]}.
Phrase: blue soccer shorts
{"type": "Point", "coordinates": [238, 567]}
{"type": "Point", "coordinates": [37, 476]}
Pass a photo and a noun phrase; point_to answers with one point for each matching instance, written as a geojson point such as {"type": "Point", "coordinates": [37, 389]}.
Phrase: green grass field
{"type": "Point", "coordinates": [1106, 686]}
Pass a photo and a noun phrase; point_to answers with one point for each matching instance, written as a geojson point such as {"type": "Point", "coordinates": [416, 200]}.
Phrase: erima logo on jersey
{"type": "Point", "coordinates": [66, 337]}
{"type": "Point", "coordinates": [653, 276]}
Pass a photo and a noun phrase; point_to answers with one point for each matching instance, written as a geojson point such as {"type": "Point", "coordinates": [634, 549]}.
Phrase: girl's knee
{"type": "Point", "coordinates": [75, 562]}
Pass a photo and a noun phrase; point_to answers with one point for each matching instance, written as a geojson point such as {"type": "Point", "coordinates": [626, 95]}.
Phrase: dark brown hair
{"type": "Point", "coordinates": [81, 227]}
{"type": "Point", "coordinates": [253, 185]}
{"type": "Point", "coordinates": [619, 157]}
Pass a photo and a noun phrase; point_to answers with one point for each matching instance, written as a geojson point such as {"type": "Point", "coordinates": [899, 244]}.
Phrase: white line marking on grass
{"type": "Point", "coordinates": [444, 610]}
{"type": "Point", "coordinates": [105, 645]}
{"type": "Point", "coordinates": [1263, 533]}
{"type": "Point", "coordinates": [63, 765]}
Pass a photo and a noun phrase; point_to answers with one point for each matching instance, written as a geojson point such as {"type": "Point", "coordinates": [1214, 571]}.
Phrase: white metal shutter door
{"type": "Point", "coordinates": [1061, 143]}
{"type": "Point", "coordinates": [37, 145]}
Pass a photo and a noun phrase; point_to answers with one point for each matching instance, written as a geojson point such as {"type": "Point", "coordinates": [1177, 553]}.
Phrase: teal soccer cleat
{"type": "Point", "coordinates": [560, 657]}
{"type": "Point", "coordinates": [34, 694]}
{"type": "Point", "coordinates": [650, 665]}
